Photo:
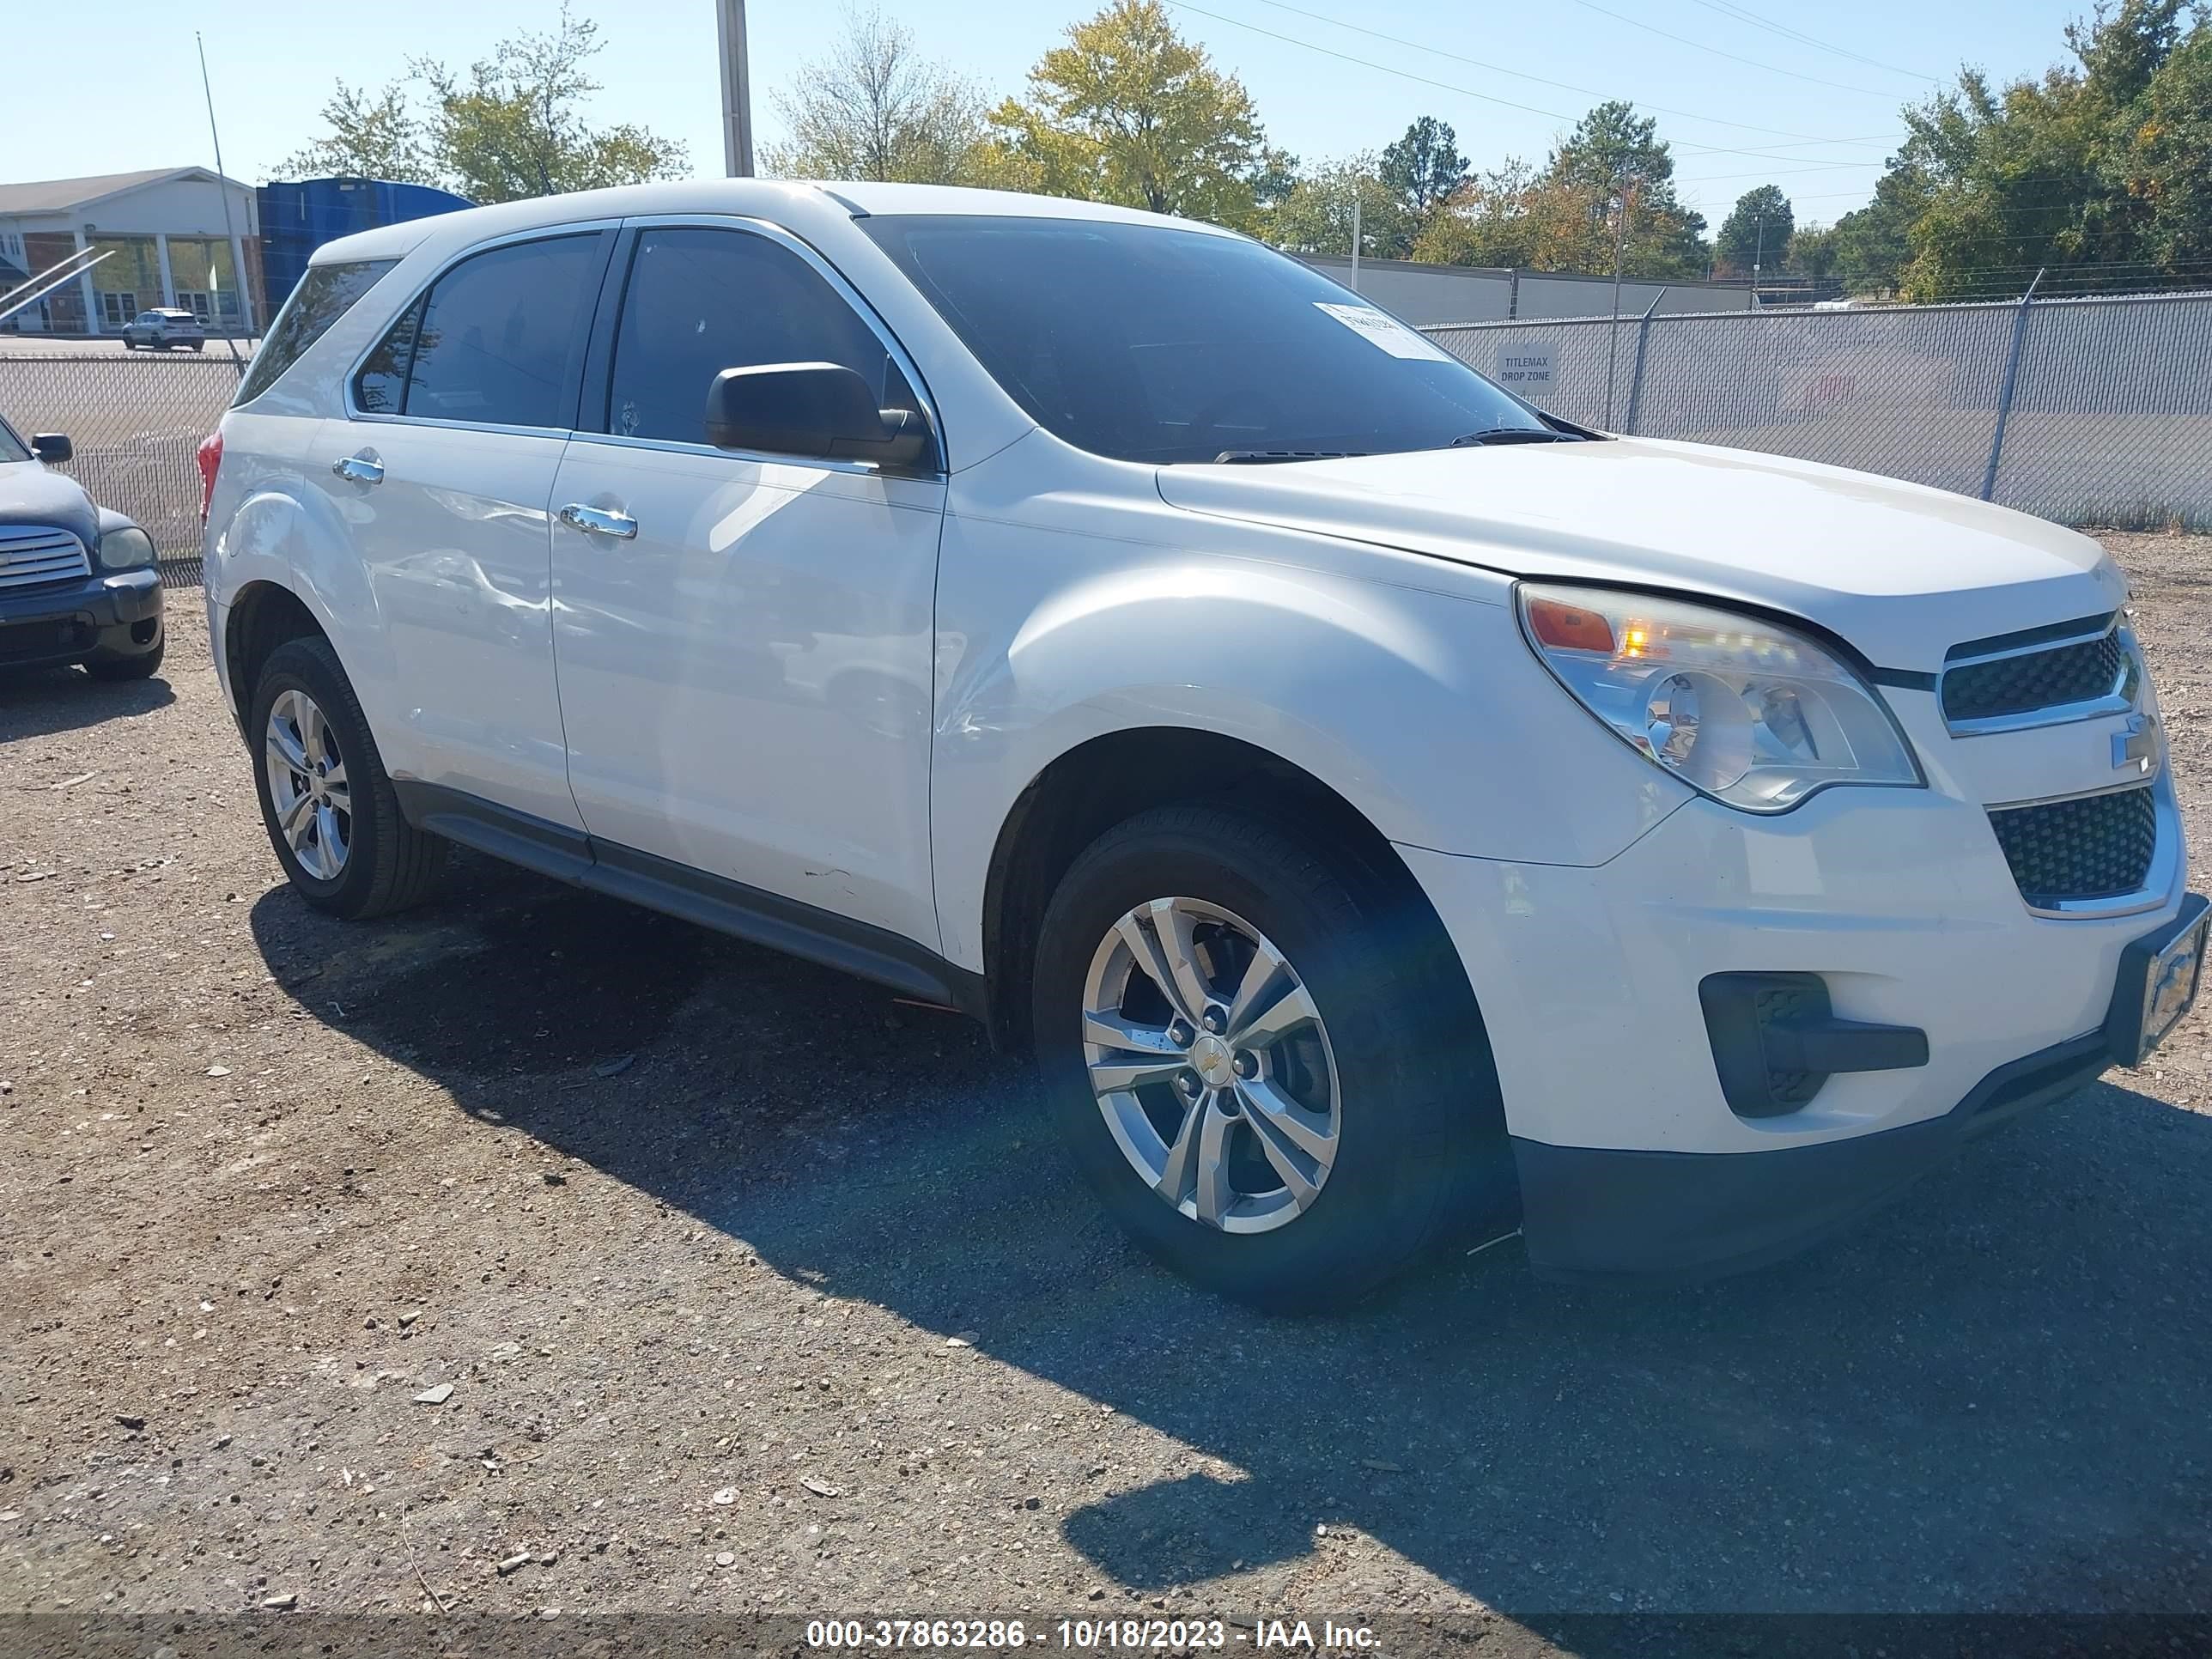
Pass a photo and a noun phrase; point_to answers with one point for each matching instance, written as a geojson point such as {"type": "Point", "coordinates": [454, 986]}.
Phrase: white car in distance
{"type": "Point", "coordinates": [1389, 812]}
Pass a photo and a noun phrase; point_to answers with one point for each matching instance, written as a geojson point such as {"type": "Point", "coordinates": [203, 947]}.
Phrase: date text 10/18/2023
{"type": "Point", "coordinates": [1092, 1635]}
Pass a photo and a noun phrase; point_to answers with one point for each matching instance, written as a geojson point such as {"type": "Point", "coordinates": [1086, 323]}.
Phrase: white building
{"type": "Point", "coordinates": [167, 239]}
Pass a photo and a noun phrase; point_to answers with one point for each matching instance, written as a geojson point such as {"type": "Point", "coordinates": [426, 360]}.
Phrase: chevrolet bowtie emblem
{"type": "Point", "coordinates": [2135, 750]}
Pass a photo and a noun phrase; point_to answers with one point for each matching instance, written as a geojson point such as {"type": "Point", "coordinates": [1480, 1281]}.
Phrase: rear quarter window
{"type": "Point", "coordinates": [325, 293]}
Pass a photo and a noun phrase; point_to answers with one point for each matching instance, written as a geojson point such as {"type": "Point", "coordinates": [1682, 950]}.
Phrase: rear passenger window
{"type": "Point", "coordinates": [700, 301]}
{"type": "Point", "coordinates": [325, 293]}
{"type": "Point", "coordinates": [494, 341]}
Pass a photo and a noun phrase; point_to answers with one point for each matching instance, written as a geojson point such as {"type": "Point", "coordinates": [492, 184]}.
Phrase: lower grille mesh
{"type": "Point", "coordinates": [2092, 847]}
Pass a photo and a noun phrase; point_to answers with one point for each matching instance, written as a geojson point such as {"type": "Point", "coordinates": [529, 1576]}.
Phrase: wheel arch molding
{"type": "Point", "coordinates": [1112, 776]}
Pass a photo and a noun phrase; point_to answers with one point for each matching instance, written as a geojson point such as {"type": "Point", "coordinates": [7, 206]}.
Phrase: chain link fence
{"type": "Point", "coordinates": [135, 422]}
{"type": "Point", "coordinates": [2084, 410]}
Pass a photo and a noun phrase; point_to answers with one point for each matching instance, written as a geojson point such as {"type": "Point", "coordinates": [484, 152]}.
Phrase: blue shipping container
{"type": "Point", "coordinates": [296, 219]}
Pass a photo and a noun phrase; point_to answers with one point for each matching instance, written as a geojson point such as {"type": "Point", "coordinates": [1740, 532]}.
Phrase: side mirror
{"type": "Point", "coordinates": [819, 411]}
{"type": "Point", "coordinates": [52, 447]}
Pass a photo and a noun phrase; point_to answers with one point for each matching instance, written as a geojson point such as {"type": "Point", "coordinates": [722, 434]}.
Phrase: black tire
{"type": "Point", "coordinates": [128, 344]}
{"type": "Point", "coordinates": [140, 667]}
{"type": "Point", "coordinates": [1420, 1141]}
{"type": "Point", "coordinates": [390, 865]}
{"type": "Point", "coordinates": [195, 345]}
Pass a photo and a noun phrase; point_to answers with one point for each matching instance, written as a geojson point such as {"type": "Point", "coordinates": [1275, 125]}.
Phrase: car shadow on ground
{"type": "Point", "coordinates": [39, 702]}
{"type": "Point", "coordinates": [1994, 1396]}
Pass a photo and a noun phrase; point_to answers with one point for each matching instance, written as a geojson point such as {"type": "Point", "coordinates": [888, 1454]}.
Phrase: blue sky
{"type": "Point", "coordinates": [1817, 122]}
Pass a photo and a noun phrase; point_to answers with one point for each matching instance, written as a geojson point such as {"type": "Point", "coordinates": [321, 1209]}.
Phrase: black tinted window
{"type": "Point", "coordinates": [1150, 343]}
{"type": "Point", "coordinates": [380, 388]}
{"type": "Point", "coordinates": [325, 293]}
{"type": "Point", "coordinates": [494, 340]}
{"type": "Point", "coordinates": [703, 300]}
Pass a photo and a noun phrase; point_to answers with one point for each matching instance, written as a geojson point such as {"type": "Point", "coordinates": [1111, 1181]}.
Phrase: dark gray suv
{"type": "Point", "coordinates": [77, 582]}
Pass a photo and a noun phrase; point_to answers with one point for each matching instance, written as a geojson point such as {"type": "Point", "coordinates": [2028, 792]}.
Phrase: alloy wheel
{"type": "Point", "coordinates": [307, 786]}
{"type": "Point", "coordinates": [1211, 1064]}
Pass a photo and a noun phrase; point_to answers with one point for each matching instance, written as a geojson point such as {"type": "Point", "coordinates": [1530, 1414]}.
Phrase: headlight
{"type": "Point", "coordinates": [126, 549]}
{"type": "Point", "coordinates": [1753, 714]}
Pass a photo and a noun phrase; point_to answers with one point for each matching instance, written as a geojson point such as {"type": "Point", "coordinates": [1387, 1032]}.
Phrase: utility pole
{"type": "Point", "coordinates": [1759, 219]}
{"type": "Point", "coordinates": [1355, 236]}
{"type": "Point", "coordinates": [229, 231]}
{"type": "Point", "coordinates": [1619, 252]}
{"type": "Point", "coordinates": [737, 89]}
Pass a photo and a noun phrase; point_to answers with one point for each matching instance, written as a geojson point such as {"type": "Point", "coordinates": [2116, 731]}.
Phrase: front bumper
{"type": "Point", "coordinates": [1590, 1213]}
{"type": "Point", "coordinates": [96, 616]}
{"type": "Point", "coordinates": [1631, 1160]}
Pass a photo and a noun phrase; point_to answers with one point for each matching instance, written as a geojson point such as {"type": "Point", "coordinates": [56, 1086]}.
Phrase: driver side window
{"type": "Point", "coordinates": [702, 299]}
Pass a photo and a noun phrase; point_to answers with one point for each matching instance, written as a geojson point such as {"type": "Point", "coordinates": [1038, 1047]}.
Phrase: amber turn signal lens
{"type": "Point", "coordinates": [1569, 626]}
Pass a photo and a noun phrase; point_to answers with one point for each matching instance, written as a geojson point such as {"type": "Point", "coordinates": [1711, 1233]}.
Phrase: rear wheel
{"type": "Point", "coordinates": [326, 798]}
{"type": "Point", "coordinates": [1267, 1087]}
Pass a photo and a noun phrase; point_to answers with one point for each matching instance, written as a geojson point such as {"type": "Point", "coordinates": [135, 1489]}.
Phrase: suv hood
{"type": "Point", "coordinates": [1900, 571]}
{"type": "Point", "coordinates": [31, 494]}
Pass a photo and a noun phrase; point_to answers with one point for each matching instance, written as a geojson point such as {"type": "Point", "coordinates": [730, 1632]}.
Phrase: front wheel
{"type": "Point", "coordinates": [327, 800]}
{"type": "Point", "coordinates": [142, 666]}
{"type": "Point", "coordinates": [1258, 1058]}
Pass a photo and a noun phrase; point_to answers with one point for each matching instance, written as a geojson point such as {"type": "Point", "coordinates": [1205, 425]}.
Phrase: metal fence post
{"type": "Point", "coordinates": [1635, 375]}
{"type": "Point", "coordinates": [2005, 396]}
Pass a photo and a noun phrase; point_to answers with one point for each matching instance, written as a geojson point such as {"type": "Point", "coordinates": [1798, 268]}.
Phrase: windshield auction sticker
{"type": "Point", "coordinates": [1383, 331]}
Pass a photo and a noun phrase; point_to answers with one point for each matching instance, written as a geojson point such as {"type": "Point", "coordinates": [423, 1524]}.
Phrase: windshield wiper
{"type": "Point", "coordinates": [1512, 434]}
{"type": "Point", "coordinates": [1267, 457]}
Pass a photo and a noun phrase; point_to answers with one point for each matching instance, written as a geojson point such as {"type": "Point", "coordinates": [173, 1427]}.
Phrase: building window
{"type": "Point", "coordinates": [117, 310]}
{"type": "Point", "coordinates": [219, 307]}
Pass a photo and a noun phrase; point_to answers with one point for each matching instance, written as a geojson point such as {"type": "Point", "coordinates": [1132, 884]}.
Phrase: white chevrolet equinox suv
{"type": "Point", "coordinates": [1387, 810]}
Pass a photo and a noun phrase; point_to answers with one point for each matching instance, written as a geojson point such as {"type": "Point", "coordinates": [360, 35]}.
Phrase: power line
{"type": "Point", "coordinates": [1778, 172]}
{"type": "Point", "coordinates": [1772, 68]}
{"type": "Point", "coordinates": [1446, 86]}
{"type": "Point", "coordinates": [1740, 14]}
{"type": "Point", "coordinates": [1564, 86]}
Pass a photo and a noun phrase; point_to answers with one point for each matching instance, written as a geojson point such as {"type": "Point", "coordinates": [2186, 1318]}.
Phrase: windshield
{"type": "Point", "coordinates": [1148, 343]}
{"type": "Point", "coordinates": [12, 448]}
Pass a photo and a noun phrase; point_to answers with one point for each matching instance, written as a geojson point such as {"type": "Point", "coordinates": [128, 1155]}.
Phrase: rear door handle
{"type": "Point", "coordinates": [598, 521]}
{"type": "Point", "coordinates": [359, 469]}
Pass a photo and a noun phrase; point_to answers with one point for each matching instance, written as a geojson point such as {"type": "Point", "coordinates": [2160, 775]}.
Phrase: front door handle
{"type": "Point", "coordinates": [598, 521]}
{"type": "Point", "coordinates": [359, 469]}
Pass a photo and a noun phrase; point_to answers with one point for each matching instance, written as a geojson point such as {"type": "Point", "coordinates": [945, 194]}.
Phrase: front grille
{"type": "Point", "coordinates": [34, 555]}
{"type": "Point", "coordinates": [2080, 672]}
{"type": "Point", "coordinates": [2092, 847]}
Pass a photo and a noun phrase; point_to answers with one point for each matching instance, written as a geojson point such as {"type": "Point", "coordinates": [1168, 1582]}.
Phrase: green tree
{"type": "Point", "coordinates": [1129, 112]}
{"type": "Point", "coordinates": [1619, 170]}
{"type": "Point", "coordinates": [1812, 251]}
{"type": "Point", "coordinates": [874, 108]}
{"type": "Point", "coordinates": [1757, 232]}
{"type": "Point", "coordinates": [1316, 217]}
{"type": "Point", "coordinates": [1492, 220]}
{"type": "Point", "coordinates": [2093, 172]}
{"type": "Point", "coordinates": [2162, 162]}
{"type": "Point", "coordinates": [1423, 166]}
{"type": "Point", "coordinates": [371, 135]}
{"type": "Point", "coordinates": [1871, 244]}
{"type": "Point", "coordinates": [513, 125]}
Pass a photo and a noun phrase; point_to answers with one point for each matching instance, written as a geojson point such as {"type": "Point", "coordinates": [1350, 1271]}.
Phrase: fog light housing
{"type": "Point", "coordinates": [1776, 1041]}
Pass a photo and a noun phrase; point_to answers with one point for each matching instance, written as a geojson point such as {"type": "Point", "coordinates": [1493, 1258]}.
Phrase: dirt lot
{"type": "Point", "coordinates": [754, 1289]}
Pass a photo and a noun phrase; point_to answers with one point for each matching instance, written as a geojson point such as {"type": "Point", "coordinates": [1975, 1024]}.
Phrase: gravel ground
{"type": "Point", "coordinates": [737, 1285]}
